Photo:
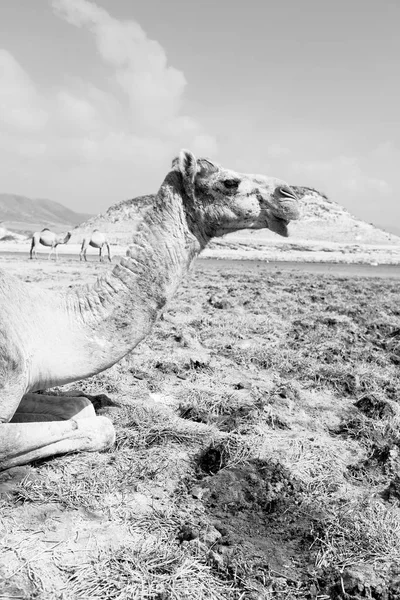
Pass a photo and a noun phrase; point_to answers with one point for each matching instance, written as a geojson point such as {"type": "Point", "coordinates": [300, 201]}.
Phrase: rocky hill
{"type": "Point", "coordinates": [120, 221]}
{"type": "Point", "coordinates": [322, 220]}
{"type": "Point", "coordinates": [326, 220]}
{"type": "Point", "coordinates": [326, 232]}
{"type": "Point", "coordinates": [22, 214]}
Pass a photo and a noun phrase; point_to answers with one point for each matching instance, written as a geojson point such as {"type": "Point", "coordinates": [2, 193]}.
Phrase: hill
{"type": "Point", "coordinates": [322, 219]}
{"type": "Point", "coordinates": [325, 232]}
{"type": "Point", "coordinates": [120, 221]}
{"type": "Point", "coordinates": [22, 214]}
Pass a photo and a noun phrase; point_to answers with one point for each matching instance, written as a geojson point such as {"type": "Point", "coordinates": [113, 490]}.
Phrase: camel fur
{"type": "Point", "coordinates": [50, 338]}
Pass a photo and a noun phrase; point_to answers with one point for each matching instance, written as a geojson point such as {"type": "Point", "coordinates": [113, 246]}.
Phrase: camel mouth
{"type": "Point", "coordinates": [283, 226]}
{"type": "Point", "coordinates": [278, 225]}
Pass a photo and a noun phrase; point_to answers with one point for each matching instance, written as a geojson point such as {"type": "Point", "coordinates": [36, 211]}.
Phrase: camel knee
{"type": "Point", "coordinates": [78, 407]}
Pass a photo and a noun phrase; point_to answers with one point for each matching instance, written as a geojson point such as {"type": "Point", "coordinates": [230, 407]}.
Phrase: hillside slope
{"type": "Point", "coordinates": [120, 221]}
{"type": "Point", "coordinates": [20, 213]}
{"type": "Point", "coordinates": [322, 220]}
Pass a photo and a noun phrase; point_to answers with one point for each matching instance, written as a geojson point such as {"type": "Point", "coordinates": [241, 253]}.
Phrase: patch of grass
{"type": "Point", "coordinates": [293, 370]}
{"type": "Point", "coordinates": [154, 570]}
{"type": "Point", "coordinates": [364, 531]}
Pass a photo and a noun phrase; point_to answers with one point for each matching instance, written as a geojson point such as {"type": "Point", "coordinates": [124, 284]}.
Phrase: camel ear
{"type": "Point", "coordinates": [188, 168]}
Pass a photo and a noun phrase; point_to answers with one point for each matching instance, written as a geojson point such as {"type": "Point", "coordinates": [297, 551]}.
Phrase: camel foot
{"type": "Point", "coordinates": [45, 426]}
{"type": "Point", "coordinates": [22, 443]}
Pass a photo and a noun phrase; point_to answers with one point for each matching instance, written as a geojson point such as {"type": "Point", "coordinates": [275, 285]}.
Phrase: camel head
{"type": "Point", "coordinates": [227, 201]}
{"type": "Point", "coordinates": [68, 236]}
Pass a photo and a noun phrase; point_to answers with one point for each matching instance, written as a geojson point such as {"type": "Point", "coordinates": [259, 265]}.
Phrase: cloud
{"type": "Point", "coordinates": [20, 104]}
{"type": "Point", "coordinates": [85, 144]}
{"type": "Point", "coordinates": [154, 88]}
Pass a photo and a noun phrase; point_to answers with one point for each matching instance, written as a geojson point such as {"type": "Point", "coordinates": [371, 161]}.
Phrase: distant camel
{"type": "Point", "coordinates": [96, 240]}
{"type": "Point", "coordinates": [48, 238]}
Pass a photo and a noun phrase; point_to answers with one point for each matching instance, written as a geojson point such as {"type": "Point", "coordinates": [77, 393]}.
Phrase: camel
{"type": "Point", "coordinates": [96, 240]}
{"type": "Point", "coordinates": [48, 238]}
{"type": "Point", "coordinates": [51, 338]}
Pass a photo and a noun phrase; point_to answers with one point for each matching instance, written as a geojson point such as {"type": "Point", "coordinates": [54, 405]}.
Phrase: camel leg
{"type": "Point", "coordinates": [100, 255]}
{"type": "Point", "coordinates": [82, 254]}
{"type": "Point", "coordinates": [45, 426]}
{"type": "Point", "coordinates": [33, 252]}
{"type": "Point", "coordinates": [50, 253]}
{"type": "Point", "coordinates": [56, 249]}
{"type": "Point", "coordinates": [109, 252]}
{"type": "Point", "coordinates": [40, 407]}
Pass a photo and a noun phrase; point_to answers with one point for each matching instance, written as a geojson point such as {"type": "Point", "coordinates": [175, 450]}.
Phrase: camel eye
{"type": "Point", "coordinates": [231, 184]}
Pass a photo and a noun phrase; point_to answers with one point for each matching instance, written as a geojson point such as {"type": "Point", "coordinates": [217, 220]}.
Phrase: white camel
{"type": "Point", "coordinates": [50, 338]}
{"type": "Point", "coordinates": [96, 240]}
{"type": "Point", "coordinates": [50, 239]}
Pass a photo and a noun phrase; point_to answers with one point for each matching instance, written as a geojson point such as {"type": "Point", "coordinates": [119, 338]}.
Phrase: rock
{"type": "Point", "coordinates": [210, 535]}
{"type": "Point", "coordinates": [217, 559]}
{"type": "Point", "coordinates": [198, 492]}
{"type": "Point", "coordinates": [363, 579]}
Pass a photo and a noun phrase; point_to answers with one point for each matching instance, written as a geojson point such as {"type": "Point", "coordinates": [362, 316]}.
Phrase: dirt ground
{"type": "Point", "coordinates": [257, 452]}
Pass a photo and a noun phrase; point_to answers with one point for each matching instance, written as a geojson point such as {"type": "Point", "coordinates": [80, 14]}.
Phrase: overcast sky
{"type": "Point", "coordinates": [96, 98]}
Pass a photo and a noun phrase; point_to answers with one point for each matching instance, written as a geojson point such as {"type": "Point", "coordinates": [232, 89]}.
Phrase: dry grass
{"type": "Point", "coordinates": [257, 452]}
{"type": "Point", "coordinates": [362, 532]}
{"type": "Point", "coordinates": [152, 570]}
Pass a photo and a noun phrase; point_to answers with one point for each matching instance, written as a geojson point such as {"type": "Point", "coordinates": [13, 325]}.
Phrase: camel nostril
{"type": "Point", "coordinates": [286, 192]}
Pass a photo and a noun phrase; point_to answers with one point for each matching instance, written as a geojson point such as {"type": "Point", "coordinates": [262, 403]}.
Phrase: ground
{"type": "Point", "coordinates": [257, 451]}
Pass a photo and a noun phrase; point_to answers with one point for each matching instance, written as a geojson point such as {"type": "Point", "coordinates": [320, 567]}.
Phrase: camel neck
{"type": "Point", "coordinates": [121, 307]}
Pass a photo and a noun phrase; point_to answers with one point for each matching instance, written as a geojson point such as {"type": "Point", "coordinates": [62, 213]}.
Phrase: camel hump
{"type": "Point", "coordinates": [95, 230]}
{"type": "Point", "coordinates": [45, 229]}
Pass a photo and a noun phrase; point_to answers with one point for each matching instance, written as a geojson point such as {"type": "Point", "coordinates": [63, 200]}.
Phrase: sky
{"type": "Point", "coordinates": [97, 98]}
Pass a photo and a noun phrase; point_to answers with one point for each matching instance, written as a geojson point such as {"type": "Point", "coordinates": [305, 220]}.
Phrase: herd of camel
{"type": "Point", "coordinates": [50, 338]}
{"type": "Point", "coordinates": [52, 240]}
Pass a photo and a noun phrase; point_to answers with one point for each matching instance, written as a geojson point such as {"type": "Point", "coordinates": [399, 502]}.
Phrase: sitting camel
{"type": "Point", "coordinates": [48, 238]}
{"type": "Point", "coordinates": [50, 338]}
{"type": "Point", "coordinates": [96, 240]}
